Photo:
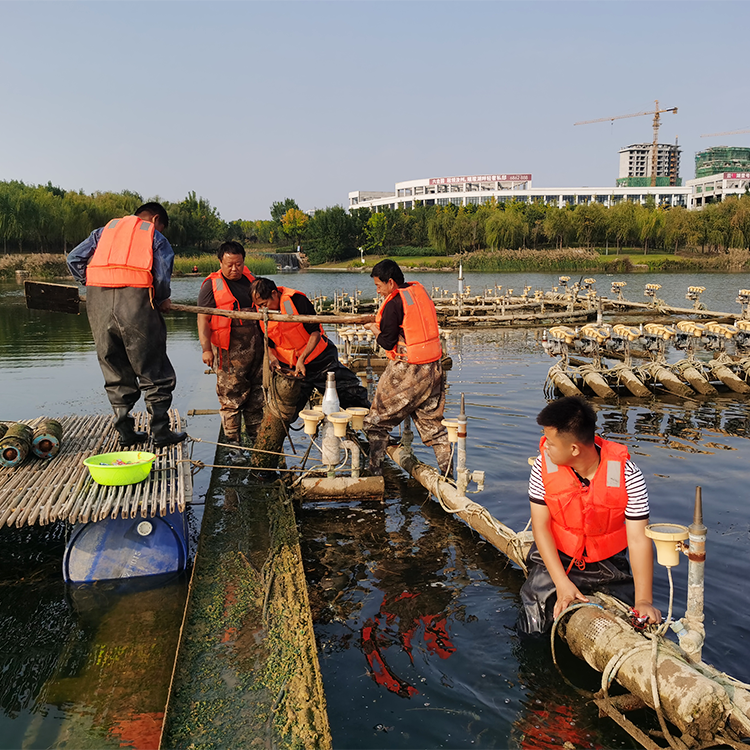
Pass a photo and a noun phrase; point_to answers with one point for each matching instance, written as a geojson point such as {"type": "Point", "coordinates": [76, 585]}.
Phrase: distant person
{"type": "Point", "coordinates": [233, 348]}
{"type": "Point", "coordinates": [195, 269]}
{"type": "Point", "coordinates": [589, 503]}
{"type": "Point", "coordinates": [126, 268]}
{"type": "Point", "coordinates": [304, 348]}
{"type": "Point", "coordinates": [412, 384]}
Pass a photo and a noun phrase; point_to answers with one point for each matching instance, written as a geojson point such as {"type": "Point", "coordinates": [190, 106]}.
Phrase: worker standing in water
{"type": "Point", "coordinates": [589, 503]}
{"type": "Point", "coordinates": [233, 348]}
{"type": "Point", "coordinates": [126, 268]}
{"type": "Point", "coordinates": [412, 384]}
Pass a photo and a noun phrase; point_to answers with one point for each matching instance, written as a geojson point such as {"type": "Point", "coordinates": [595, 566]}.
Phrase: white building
{"type": "Point", "coordinates": [477, 189]}
{"type": "Point", "coordinates": [716, 187]}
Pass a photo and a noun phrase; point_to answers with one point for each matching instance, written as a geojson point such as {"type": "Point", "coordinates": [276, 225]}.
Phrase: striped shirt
{"type": "Point", "coordinates": [637, 508]}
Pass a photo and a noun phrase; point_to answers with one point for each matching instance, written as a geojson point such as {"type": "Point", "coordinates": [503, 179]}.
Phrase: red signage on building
{"type": "Point", "coordinates": [737, 175]}
{"type": "Point", "coordinates": [480, 178]}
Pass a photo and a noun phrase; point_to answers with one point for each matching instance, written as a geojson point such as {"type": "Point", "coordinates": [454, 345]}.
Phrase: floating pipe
{"type": "Point", "coordinates": [349, 488]}
{"type": "Point", "coordinates": [697, 705]}
{"type": "Point", "coordinates": [690, 373]}
{"type": "Point", "coordinates": [669, 380]}
{"type": "Point", "coordinates": [732, 381]}
{"type": "Point", "coordinates": [562, 382]}
{"type": "Point", "coordinates": [595, 381]}
{"type": "Point", "coordinates": [629, 379]}
{"type": "Point", "coordinates": [514, 546]}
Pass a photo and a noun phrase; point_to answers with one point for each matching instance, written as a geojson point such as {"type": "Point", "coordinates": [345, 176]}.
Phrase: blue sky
{"type": "Point", "coordinates": [247, 103]}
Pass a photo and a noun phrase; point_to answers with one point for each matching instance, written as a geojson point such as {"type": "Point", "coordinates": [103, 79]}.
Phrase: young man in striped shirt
{"type": "Point", "coordinates": [589, 503]}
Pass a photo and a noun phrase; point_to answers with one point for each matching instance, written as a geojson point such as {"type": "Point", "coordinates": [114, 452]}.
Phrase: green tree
{"type": "Point", "coordinates": [293, 223]}
{"type": "Point", "coordinates": [332, 235]}
{"type": "Point", "coordinates": [279, 208]}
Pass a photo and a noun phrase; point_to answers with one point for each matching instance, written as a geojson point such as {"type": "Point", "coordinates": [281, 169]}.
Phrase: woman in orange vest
{"type": "Point", "coordinates": [412, 384]}
{"type": "Point", "coordinates": [233, 348]}
{"type": "Point", "coordinates": [303, 348]}
{"type": "Point", "coordinates": [589, 503]}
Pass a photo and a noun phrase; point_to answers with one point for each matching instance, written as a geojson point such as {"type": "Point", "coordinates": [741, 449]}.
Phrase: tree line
{"type": "Point", "coordinates": [45, 218]}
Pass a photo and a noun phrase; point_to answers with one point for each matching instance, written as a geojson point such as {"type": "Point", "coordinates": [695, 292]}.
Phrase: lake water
{"type": "Point", "coordinates": [413, 611]}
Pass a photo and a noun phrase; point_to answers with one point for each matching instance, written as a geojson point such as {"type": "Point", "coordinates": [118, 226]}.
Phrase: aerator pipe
{"type": "Point", "coordinates": [693, 641]}
{"type": "Point", "coordinates": [462, 474]}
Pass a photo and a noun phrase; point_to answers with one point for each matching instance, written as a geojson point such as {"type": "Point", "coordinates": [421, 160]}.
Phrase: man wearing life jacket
{"type": "Point", "coordinates": [589, 503]}
{"type": "Point", "coordinates": [126, 268]}
{"type": "Point", "coordinates": [412, 383]}
{"type": "Point", "coordinates": [303, 348]}
{"type": "Point", "coordinates": [233, 348]}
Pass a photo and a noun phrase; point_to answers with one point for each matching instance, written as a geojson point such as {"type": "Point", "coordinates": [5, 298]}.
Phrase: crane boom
{"type": "Point", "coordinates": [726, 132]}
{"type": "Point", "coordinates": [655, 145]}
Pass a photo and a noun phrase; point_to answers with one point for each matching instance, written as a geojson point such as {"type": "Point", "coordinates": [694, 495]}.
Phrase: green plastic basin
{"type": "Point", "coordinates": [123, 467]}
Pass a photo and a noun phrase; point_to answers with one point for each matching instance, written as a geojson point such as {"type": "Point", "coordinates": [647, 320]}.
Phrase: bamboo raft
{"type": "Point", "coordinates": [42, 491]}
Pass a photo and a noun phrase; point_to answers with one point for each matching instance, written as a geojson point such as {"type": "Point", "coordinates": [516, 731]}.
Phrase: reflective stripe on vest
{"type": "Point", "coordinates": [588, 523]}
{"type": "Point", "coordinates": [291, 339]}
{"type": "Point", "coordinates": [224, 300]}
{"type": "Point", "coordinates": [421, 342]}
{"type": "Point", "coordinates": [124, 254]}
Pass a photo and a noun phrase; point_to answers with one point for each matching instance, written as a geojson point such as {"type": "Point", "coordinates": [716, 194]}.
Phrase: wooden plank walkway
{"type": "Point", "coordinates": [42, 491]}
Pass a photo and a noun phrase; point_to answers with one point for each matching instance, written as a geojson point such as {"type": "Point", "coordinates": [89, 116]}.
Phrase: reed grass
{"type": "Point", "coordinates": [259, 265]}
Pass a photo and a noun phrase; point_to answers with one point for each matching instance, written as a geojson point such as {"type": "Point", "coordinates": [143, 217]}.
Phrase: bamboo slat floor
{"type": "Point", "coordinates": [42, 491]}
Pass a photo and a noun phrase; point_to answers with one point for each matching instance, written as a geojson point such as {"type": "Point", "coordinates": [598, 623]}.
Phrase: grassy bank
{"type": "Point", "coordinates": [53, 266]}
{"type": "Point", "coordinates": [568, 259]}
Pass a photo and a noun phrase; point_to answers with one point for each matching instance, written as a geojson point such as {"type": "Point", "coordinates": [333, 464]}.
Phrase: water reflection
{"type": "Point", "coordinates": [438, 602]}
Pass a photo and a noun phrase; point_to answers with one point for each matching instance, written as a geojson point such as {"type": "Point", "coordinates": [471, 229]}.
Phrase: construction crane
{"type": "Point", "coordinates": [656, 112]}
{"type": "Point", "coordinates": [727, 132]}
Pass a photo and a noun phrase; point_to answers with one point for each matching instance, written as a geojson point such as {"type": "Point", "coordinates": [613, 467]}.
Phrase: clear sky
{"type": "Point", "coordinates": [247, 103]}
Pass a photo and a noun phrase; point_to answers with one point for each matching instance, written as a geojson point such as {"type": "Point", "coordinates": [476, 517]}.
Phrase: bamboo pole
{"type": "Point", "coordinates": [280, 317]}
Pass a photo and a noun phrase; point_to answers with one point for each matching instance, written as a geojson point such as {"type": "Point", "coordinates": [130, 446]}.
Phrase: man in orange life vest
{"type": "Point", "coordinates": [304, 348]}
{"type": "Point", "coordinates": [412, 383]}
{"type": "Point", "coordinates": [126, 267]}
{"type": "Point", "coordinates": [234, 348]}
{"type": "Point", "coordinates": [589, 503]}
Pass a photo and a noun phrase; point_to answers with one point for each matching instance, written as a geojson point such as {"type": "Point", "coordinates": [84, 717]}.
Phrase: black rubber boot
{"type": "Point", "coordinates": [125, 426]}
{"type": "Point", "coordinates": [160, 428]}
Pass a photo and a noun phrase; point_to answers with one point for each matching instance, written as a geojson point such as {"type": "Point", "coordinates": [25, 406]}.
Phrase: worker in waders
{"type": "Point", "coordinates": [412, 384]}
{"type": "Point", "coordinates": [126, 268]}
{"type": "Point", "coordinates": [233, 348]}
{"type": "Point", "coordinates": [589, 503]}
{"type": "Point", "coordinates": [303, 349]}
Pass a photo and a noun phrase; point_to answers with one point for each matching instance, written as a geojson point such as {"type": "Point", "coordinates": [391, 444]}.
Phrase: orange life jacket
{"type": "Point", "coordinates": [588, 523]}
{"type": "Point", "coordinates": [124, 254]}
{"type": "Point", "coordinates": [421, 334]}
{"type": "Point", "coordinates": [225, 300]}
{"type": "Point", "coordinates": [291, 338]}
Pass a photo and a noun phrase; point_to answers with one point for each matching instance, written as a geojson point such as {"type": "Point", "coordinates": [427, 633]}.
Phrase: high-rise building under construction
{"type": "Point", "coordinates": [636, 165]}
{"type": "Point", "coordinates": [722, 159]}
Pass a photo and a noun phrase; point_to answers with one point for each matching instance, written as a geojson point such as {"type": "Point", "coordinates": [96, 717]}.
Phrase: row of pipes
{"type": "Point", "coordinates": [685, 377]}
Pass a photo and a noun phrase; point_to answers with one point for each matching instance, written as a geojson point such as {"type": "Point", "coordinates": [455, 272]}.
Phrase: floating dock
{"type": "Point", "coordinates": [42, 491]}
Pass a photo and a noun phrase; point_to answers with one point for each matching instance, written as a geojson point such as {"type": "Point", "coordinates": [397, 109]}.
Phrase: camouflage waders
{"type": "Point", "coordinates": [239, 381]}
{"type": "Point", "coordinates": [409, 390]}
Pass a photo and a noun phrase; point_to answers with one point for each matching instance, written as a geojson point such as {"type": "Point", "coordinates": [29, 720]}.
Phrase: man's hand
{"type": "Point", "coordinates": [165, 306]}
{"type": "Point", "coordinates": [208, 358]}
{"type": "Point", "coordinates": [373, 328]}
{"type": "Point", "coordinates": [299, 370]}
{"type": "Point", "coordinates": [646, 609]}
{"type": "Point", "coordinates": [273, 361]}
{"type": "Point", "coordinates": [567, 594]}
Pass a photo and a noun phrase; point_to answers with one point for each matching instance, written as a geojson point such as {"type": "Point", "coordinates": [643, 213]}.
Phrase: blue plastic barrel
{"type": "Point", "coordinates": [126, 548]}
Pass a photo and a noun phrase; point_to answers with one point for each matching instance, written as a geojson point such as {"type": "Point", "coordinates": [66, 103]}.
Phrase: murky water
{"type": "Point", "coordinates": [413, 612]}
